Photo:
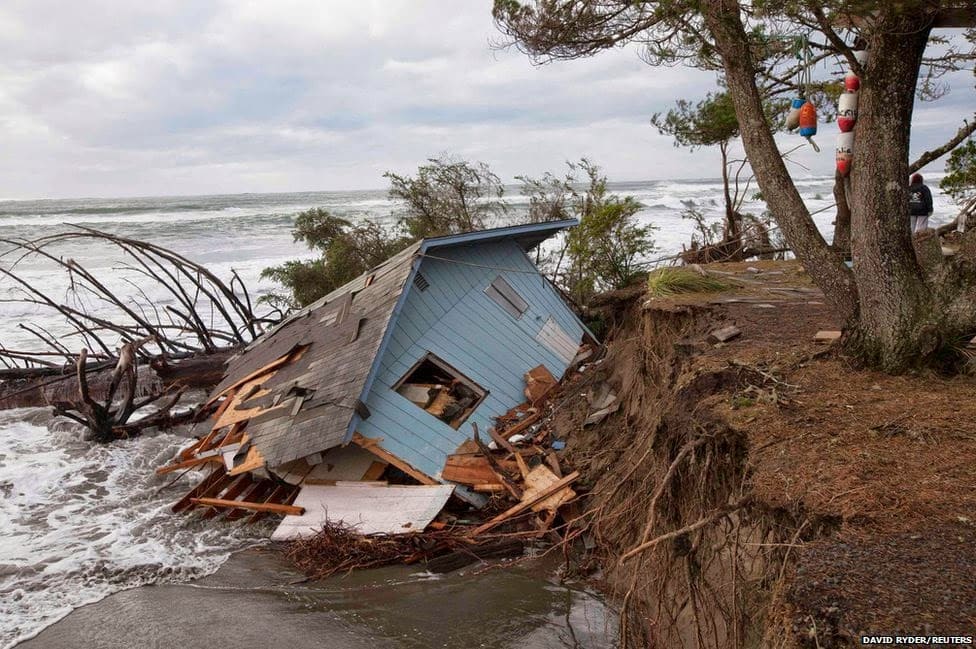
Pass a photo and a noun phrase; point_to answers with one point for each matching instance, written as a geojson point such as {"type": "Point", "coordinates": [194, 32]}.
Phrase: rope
{"type": "Point", "coordinates": [638, 264]}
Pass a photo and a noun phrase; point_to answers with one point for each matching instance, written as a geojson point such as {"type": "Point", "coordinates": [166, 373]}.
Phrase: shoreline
{"type": "Point", "coordinates": [256, 596]}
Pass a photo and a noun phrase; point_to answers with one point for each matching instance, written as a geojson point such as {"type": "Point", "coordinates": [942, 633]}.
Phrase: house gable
{"type": "Point", "coordinates": [453, 314]}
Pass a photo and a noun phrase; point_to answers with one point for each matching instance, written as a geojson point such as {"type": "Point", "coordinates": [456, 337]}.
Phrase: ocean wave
{"type": "Point", "coordinates": [82, 521]}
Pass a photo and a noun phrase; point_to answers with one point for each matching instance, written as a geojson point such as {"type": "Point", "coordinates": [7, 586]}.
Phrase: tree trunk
{"type": "Point", "coordinates": [842, 221]}
{"type": "Point", "coordinates": [731, 223]}
{"type": "Point", "coordinates": [825, 266]}
{"type": "Point", "coordinates": [894, 329]}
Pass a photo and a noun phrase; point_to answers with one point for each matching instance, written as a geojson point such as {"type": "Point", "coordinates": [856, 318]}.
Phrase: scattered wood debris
{"type": "Point", "coordinates": [357, 418]}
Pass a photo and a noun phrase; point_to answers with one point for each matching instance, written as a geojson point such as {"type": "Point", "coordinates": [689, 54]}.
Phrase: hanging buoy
{"type": "Point", "coordinates": [861, 56]}
{"type": "Point", "coordinates": [852, 83]}
{"type": "Point", "coordinates": [793, 117]}
{"type": "Point", "coordinates": [808, 120]}
{"type": "Point", "coordinates": [847, 111]}
{"type": "Point", "coordinates": [845, 152]}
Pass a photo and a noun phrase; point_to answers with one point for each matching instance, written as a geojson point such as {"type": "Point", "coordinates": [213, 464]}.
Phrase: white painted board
{"type": "Point", "coordinates": [558, 341]}
{"type": "Point", "coordinates": [369, 508]}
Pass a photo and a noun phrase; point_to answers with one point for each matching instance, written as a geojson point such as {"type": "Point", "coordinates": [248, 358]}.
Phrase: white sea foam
{"type": "Point", "coordinates": [81, 521]}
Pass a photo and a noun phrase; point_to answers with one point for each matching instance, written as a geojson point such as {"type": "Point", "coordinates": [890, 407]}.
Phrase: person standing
{"type": "Point", "coordinates": [919, 204]}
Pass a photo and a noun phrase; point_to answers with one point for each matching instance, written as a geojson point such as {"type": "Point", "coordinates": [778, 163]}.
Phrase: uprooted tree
{"type": "Point", "coordinates": [121, 347]}
{"type": "Point", "coordinates": [900, 312]}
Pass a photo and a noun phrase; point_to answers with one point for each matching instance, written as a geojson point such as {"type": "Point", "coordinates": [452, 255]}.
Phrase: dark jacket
{"type": "Point", "coordinates": [919, 200]}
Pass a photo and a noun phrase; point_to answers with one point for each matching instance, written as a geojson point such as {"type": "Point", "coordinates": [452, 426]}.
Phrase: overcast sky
{"type": "Point", "coordinates": [122, 98]}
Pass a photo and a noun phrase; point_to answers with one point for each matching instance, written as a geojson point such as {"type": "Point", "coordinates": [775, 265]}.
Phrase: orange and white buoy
{"type": "Point", "coordinates": [847, 111]}
{"type": "Point", "coordinates": [793, 117]}
{"type": "Point", "coordinates": [808, 119]}
{"type": "Point", "coordinates": [852, 82]}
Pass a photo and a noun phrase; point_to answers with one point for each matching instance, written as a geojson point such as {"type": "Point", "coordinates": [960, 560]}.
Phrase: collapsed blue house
{"type": "Point", "coordinates": [394, 367]}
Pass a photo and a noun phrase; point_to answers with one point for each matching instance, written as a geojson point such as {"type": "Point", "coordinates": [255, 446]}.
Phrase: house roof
{"type": "Point", "coordinates": [311, 403]}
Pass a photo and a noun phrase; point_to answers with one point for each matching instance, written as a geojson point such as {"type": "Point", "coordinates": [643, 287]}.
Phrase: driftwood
{"type": "Point", "coordinates": [137, 351]}
{"type": "Point", "coordinates": [37, 387]}
{"type": "Point", "coordinates": [108, 419]}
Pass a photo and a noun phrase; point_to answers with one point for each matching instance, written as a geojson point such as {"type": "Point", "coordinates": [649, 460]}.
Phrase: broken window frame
{"type": "Point", "coordinates": [504, 295]}
{"type": "Point", "coordinates": [444, 366]}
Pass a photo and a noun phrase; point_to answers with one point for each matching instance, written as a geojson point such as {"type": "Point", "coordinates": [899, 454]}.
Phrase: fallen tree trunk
{"type": "Point", "coordinates": [38, 387]}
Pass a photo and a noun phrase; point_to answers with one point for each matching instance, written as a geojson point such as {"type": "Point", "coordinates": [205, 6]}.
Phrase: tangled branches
{"type": "Point", "coordinates": [192, 310]}
{"type": "Point", "coordinates": [338, 548]}
{"type": "Point", "coordinates": [108, 421]}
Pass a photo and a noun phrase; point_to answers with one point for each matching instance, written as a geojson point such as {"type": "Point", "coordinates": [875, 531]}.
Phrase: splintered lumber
{"type": "Point", "coordinates": [472, 469]}
{"type": "Point", "coordinates": [522, 425]}
{"type": "Point", "coordinates": [232, 414]}
{"type": "Point", "coordinates": [291, 356]}
{"type": "Point", "coordinates": [489, 487]}
{"type": "Point", "coordinates": [186, 464]}
{"type": "Point", "coordinates": [525, 504]}
{"type": "Point", "coordinates": [236, 490]}
{"type": "Point", "coordinates": [213, 484]}
{"type": "Point", "coordinates": [539, 480]}
{"type": "Point", "coordinates": [496, 467]}
{"type": "Point", "coordinates": [373, 446]}
{"type": "Point", "coordinates": [538, 382]}
{"type": "Point", "coordinates": [252, 461]}
{"type": "Point", "coordinates": [502, 442]}
{"type": "Point", "coordinates": [287, 510]}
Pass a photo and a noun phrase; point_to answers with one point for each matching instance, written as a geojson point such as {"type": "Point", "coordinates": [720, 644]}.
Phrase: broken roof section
{"type": "Point", "coordinates": [325, 357]}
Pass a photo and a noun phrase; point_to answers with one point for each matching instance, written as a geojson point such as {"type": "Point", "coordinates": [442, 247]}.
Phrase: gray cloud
{"type": "Point", "coordinates": [118, 98]}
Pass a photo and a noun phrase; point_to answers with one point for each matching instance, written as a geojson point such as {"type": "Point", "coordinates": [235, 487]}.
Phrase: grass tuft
{"type": "Point", "coordinates": [673, 280]}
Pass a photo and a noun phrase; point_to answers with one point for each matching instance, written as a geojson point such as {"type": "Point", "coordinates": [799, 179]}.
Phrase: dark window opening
{"type": "Point", "coordinates": [502, 293]}
{"type": "Point", "coordinates": [441, 390]}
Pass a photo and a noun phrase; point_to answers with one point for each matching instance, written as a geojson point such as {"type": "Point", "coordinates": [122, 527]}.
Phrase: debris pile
{"type": "Point", "coordinates": [365, 518]}
{"type": "Point", "coordinates": [363, 409]}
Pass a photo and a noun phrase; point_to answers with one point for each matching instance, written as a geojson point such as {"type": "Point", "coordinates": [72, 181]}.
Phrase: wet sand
{"type": "Point", "coordinates": [254, 600]}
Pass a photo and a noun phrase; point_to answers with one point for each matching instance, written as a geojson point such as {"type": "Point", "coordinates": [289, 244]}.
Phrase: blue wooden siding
{"type": "Point", "coordinates": [455, 320]}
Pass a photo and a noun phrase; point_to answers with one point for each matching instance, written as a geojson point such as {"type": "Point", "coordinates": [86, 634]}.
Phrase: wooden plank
{"type": "Point", "coordinates": [370, 509]}
{"type": "Point", "coordinates": [525, 504]}
{"type": "Point", "coordinates": [472, 469]}
{"type": "Point", "coordinates": [539, 480]}
{"type": "Point", "coordinates": [522, 466]}
{"type": "Point", "coordinates": [279, 496]}
{"type": "Point", "coordinates": [233, 492]}
{"type": "Point", "coordinates": [513, 488]}
{"type": "Point", "coordinates": [724, 335]}
{"type": "Point", "coordinates": [373, 446]}
{"type": "Point", "coordinates": [375, 471]}
{"type": "Point", "coordinates": [252, 461]}
{"type": "Point", "coordinates": [502, 443]}
{"type": "Point", "coordinates": [522, 425]}
{"type": "Point", "coordinates": [255, 492]}
{"type": "Point", "coordinates": [214, 483]}
{"type": "Point", "coordinates": [287, 510]}
{"type": "Point", "coordinates": [290, 357]}
{"type": "Point", "coordinates": [489, 487]}
{"type": "Point", "coordinates": [186, 464]}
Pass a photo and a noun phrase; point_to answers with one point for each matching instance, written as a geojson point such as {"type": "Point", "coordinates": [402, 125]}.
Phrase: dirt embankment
{"type": "Point", "coordinates": [763, 492]}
